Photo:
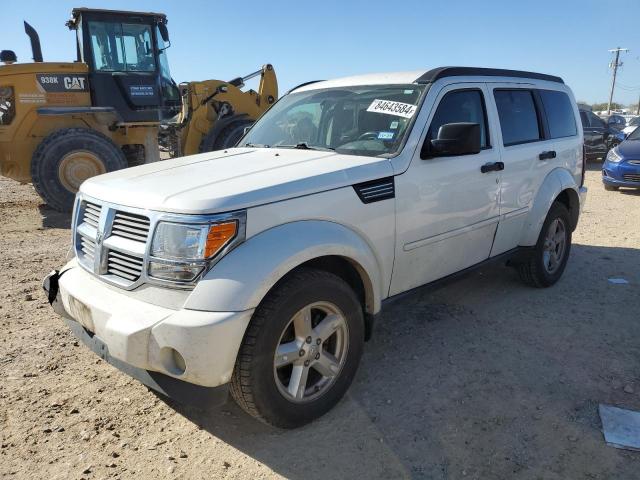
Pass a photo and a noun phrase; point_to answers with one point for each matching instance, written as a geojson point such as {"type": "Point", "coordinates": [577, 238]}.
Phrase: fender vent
{"type": "Point", "coordinates": [376, 190]}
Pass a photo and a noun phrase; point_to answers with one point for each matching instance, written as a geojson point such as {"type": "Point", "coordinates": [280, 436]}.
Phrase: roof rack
{"type": "Point", "coordinates": [302, 85]}
{"type": "Point", "coordinates": [442, 72]}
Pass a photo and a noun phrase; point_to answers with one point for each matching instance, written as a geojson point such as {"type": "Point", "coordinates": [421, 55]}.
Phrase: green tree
{"type": "Point", "coordinates": [603, 106]}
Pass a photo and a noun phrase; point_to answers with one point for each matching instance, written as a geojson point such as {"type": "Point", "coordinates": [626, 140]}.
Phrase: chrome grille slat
{"type": "Point", "coordinates": [631, 177]}
{"type": "Point", "coordinates": [125, 275]}
{"type": "Point", "coordinates": [124, 265]}
{"type": "Point", "coordinates": [125, 257]}
{"type": "Point", "coordinates": [86, 245]}
{"type": "Point", "coordinates": [132, 226]}
{"type": "Point", "coordinates": [91, 214]}
{"type": "Point", "coordinates": [118, 266]}
{"type": "Point", "coordinates": [123, 233]}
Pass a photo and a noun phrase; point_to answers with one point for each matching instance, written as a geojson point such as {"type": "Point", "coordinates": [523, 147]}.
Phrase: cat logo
{"type": "Point", "coordinates": [59, 83]}
{"type": "Point", "coordinates": [74, 83]}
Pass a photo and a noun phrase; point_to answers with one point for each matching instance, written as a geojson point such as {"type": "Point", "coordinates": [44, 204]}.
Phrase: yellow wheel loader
{"type": "Point", "coordinates": [61, 123]}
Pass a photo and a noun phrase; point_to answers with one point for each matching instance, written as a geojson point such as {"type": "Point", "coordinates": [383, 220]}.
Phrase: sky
{"type": "Point", "coordinates": [314, 40]}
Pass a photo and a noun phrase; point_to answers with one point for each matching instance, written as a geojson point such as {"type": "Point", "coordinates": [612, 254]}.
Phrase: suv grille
{"type": "Point", "coordinates": [88, 248]}
{"type": "Point", "coordinates": [131, 226]}
{"type": "Point", "coordinates": [111, 242]}
{"type": "Point", "coordinates": [91, 214]}
{"type": "Point", "coordinates": [631, 177]}
{"type": "Point", "coordinates": [124, 265]}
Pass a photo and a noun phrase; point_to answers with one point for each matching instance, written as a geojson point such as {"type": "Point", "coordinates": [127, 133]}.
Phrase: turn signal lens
{"type": "Point", "coordinates": [219, 235]}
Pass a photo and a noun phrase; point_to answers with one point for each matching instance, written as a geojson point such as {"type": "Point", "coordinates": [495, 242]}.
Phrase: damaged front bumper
{"type": "Point", "coordinates": [137, 331]}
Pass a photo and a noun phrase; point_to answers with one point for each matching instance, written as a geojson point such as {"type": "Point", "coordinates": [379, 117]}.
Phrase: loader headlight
{"type": "Point", "coordinates": [181, 251]}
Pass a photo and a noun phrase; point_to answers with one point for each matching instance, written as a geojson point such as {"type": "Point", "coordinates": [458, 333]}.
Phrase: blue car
{"type": "Point", "coordinates": [622, 165]}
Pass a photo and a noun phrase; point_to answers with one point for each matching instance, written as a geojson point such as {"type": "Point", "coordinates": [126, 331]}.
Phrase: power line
{"type": "Point", "coordinates": [615, 65]}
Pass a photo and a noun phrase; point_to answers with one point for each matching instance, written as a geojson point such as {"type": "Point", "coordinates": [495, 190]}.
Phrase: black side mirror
{"type": "Point", "coordinates": [461, 138]}
{"type": "Point", "coordinates": [164, 32]}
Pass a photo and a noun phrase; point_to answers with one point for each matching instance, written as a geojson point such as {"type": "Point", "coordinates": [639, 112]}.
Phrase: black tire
{"type": "Point", "coordinates": [253, 385]}
{"type": "Point", "coordinates": [226, 138]}
{"type": "Point", "coordinates": [46, 161]}
{"type": "Point", "coordinates": [610, 188]}
{"type": "Point", "coordinates": [532, 270]}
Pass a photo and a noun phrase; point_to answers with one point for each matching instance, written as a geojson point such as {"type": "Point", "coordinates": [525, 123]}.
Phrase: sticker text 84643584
{"type": "Point", "coordinates": [389, 107]}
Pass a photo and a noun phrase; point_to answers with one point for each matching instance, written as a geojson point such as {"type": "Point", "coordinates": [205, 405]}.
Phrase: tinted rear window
{"type": "Point", "coordinates": [559, 112]}
{"type": "Point", "coordinates": [518, 117]}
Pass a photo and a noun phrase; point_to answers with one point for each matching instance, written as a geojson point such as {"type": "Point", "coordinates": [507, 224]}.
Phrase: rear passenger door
{"type": "Point", "coordinates": [538, 132]}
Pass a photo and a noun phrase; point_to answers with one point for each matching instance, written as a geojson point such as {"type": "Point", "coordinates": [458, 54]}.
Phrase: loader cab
{"type": "Point", "coordinates": [127, 60]}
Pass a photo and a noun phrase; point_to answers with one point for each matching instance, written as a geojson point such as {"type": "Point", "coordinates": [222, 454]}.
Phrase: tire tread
{"type": "Point", "coordinates": [241, 380]}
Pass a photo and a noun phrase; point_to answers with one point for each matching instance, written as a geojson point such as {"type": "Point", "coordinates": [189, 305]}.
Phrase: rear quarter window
{"type": "Point", "coordinates": [559, 112]}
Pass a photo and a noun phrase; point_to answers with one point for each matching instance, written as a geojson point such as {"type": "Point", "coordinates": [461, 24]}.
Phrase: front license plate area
{"type": "Point", "coordinates": [81, 313]}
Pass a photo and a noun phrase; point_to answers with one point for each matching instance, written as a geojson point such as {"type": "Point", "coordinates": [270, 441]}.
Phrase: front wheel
{"type": "Point", "coordinates": [547, 261]}
{"type": "Point", "coordinates": [301, 350]}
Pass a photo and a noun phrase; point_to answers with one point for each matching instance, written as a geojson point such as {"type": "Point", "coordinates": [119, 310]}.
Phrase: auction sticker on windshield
{"type": "Point", "coordinates": [388, 107]}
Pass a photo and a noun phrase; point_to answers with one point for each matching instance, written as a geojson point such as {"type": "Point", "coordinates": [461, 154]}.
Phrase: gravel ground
{"type": "Point", "coordinates": [484, 378]}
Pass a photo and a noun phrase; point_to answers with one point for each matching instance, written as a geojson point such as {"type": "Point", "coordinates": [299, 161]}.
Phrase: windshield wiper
{"type": "Point", "coordinates": [257, 145]}
{"type": "Point", "coordinates": [306, 146]}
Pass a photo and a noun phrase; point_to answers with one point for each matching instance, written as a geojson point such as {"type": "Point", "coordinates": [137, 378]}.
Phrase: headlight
{"type": "Point", "coordinates": [180, 252]}
{"type": "Point", "coordinates": [613, 156]}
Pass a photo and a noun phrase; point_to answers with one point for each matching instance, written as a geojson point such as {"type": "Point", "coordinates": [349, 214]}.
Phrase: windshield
{"type": "Point", "coordinates": [635, 135]}
{"type": "Point", "coordinates": [634, 122]}
{"type": "Point", "coordinates": [122, 47]}
{"type": "Point", "coordinates": [362, 120]}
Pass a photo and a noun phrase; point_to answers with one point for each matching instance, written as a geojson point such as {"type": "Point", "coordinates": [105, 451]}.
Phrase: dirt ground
{"type": "Point", "coordinates": [484, 378]}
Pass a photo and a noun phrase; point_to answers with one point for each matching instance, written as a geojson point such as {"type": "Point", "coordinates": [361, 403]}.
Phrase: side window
{"type": "Point", "coordinates": [559, 113]}
{"type": "Point", "coordinates": [584, 119]}
{"type": "Point", "coordinates": [596, 121]}
{"type": "Point", "coordinates": [461, 106]}
{"type": "Point", "coordinates": [518, 117]}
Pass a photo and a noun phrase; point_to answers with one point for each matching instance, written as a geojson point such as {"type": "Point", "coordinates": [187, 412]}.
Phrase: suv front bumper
{"type": "Point", "coordinates": [188, 355]}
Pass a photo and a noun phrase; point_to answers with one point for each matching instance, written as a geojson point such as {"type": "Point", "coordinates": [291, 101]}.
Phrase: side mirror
{"type": "Point", "coordinates": [164, 32]}
{"type": "Point", "coordinates": [461, 138]}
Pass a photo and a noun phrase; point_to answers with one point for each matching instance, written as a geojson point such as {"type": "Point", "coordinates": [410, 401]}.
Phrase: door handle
{"type": "Point", "coordinates": [547, 155]}
{"type": "Point", "coordinates": [492, 167]}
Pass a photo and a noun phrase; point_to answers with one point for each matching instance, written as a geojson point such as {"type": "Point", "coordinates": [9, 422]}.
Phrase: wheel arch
{"type": "Point", "coordinates": [242, 279]}
{"type": "Point", "coordinates": [558, 185]}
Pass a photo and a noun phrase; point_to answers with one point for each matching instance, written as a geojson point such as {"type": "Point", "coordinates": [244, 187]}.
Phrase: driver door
{"type": "Point", "coordinates": [447, 208]}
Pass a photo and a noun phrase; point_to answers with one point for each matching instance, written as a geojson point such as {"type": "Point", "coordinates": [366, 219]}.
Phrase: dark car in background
{"type": "Point", "coordinates": [621, 168]}
{"type": "Point", "coordinates": [599, 136]}
{"type": "Point", "coordinates": [617, 121]}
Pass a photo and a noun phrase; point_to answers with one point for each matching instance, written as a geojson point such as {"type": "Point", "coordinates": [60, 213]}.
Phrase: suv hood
{"type": "Point", "coordinates": [234, 179]}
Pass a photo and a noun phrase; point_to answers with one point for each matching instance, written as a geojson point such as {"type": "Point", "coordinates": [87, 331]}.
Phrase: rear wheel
{"type": "Point", "coordinates": [547, 262]}
{"type": "Point", "coordinates": [301, 350]}
{"type": "Point", "coordinates": [67, 158]}
{"type": "Point", "coordinates": [226, 138]}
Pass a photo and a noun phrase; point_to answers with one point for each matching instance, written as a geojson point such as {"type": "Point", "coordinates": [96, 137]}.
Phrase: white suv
{"type": "Point", "coordinates": [262, 268]}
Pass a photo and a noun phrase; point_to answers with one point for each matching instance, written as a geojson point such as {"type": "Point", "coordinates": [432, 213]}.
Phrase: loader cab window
{"type": "Point", "coordinates": [170, 90]}
{"type": "Point", "coordinates": [122, 47]}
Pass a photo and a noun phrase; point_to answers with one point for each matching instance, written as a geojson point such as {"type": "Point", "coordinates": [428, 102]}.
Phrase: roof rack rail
{"type": "Point", "coordinates": [442, 72]}
{"type": "Point", "coordinates": [302, 85]}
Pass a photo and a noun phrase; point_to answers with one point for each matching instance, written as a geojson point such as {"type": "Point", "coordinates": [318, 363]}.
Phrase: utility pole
{"type": "Point", "coordinates": [615, 64]}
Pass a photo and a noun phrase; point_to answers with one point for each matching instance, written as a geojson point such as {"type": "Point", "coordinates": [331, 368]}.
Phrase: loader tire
{"type": "Point", "coordinates": [226, 138]}
{"type": "Point", "coordinates": [66, 158]}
